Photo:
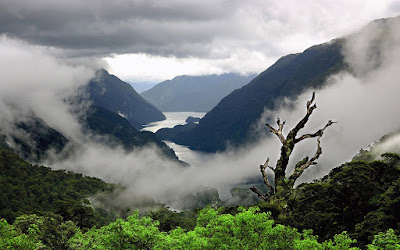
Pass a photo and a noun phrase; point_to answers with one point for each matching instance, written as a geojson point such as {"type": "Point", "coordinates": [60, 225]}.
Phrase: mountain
{"type": "Point", "coordinates": [32, 139]}
{"type": "Point", "coordinates": [231, 120]}
{"type": "Point", "coordinates": [388, 143]}
{"type": "Point", "coordinates": [194, 93]}
{"type": "Point", "coordinates": [109, 92]}
{"type": "Point", "coordinates": [32, 189]}
{"type": "Point", "coordinates": [117, 131]}
{"type": "Point", "coordinates": [141, 87]}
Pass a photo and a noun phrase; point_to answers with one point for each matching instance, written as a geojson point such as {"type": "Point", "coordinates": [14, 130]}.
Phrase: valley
{"type": "Point", "coordinates": [194, 158]}
{"type": "Point", "coordinates": [248, 128]}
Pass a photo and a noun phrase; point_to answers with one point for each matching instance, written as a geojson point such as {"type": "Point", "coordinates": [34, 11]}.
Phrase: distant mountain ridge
{"type": "Point", "coordinates": [141, 87]}
{"type": "Point", "coordinates": [194, 93]}
{"type": "Point", "coordinates": [231, 121]}
{"type": "Point", "coordinates": [109, 92]}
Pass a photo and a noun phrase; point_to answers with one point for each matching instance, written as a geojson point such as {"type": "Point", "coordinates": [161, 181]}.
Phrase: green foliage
{"type": "Point", "coordinates": [28, 189]}
{"type": "Point", "coordinates": [248, 229]}
{"type": "Point", "coordinates": [374, 150]}
{"type": "Point", "coordinates": [359, 197]}
{"type": "Point", "coordinates": [387, 240]}
{"type": "Point", "coordinates": [132, 233]}
{"type": "Point", "coordinates": [341, 241]}
{"type": "Point", "coordinates": [245, 230]}
{"type": "Point", "coordinates": [53, 231]}
{"type": "Point", "coordinates": [171, 220]}
{"type": "Point", "coordinates": [10, 238]}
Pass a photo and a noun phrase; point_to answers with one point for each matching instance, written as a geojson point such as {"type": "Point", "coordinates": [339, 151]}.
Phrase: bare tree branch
{"type": "Point", "coordinates": [265, 177]}
{"type": "Point", "coordinates": [318, 133]}
{"type": "Point", "coordinates": [265, 197]}
{"type": "Point", "coordinates": [310, 108]}
{"type": "Point", "coordinates": [299, 170]}
{"type": "Point", "coordinates": [311, 101]}
{"type": "Point", "coordinates": [288, 146]}
{"type": "Point", "coordinates": [270, 192]}
{"type": "Point", "coordinates": [278, 132]}
{"type": "Point", "coordinates": [283, 186]}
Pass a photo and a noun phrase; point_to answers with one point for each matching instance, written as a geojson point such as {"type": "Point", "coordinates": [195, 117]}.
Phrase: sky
{"type": "Point", "coordinates": [148, 41]}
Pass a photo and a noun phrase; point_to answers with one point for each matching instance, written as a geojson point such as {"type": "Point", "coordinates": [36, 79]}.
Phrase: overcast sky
{"type": "Point", "coordinates": [151, 41]}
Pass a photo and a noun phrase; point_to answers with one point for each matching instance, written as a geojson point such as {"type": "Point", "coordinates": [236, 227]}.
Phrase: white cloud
{"type": "Point", "coordinates": [140, 67]}
{"type": "Point", "coordinates": [35, 81]}
{"type": "Point", "coordinates": [364, 105]}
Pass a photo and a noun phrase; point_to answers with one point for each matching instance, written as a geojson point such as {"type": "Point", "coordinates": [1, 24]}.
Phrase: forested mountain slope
{"type": "Point", "coordinates": [230, 121]}
{"type": "Point", "coordinates": [27, 188]}
{"type": "Point", "coordinates": [117, 131]}
{"type": "Point", "coordinates": [233, 120]}
{"type": "Point", "coordinates": [34, 140]}
{"type": "Point", "coordinates": [109, 92]}
{"type": "Point", "coordinates": [31, 138]}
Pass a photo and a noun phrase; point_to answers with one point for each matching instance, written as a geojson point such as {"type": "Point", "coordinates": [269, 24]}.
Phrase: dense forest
{"type": "Point", "coordinates": [356, 205]}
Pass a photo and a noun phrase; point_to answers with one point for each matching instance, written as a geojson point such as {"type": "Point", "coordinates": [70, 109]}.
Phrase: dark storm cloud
{"type": "Point", "coordinates": [185, 28]}
{"type": "Point", "coordinates": [101, 27]}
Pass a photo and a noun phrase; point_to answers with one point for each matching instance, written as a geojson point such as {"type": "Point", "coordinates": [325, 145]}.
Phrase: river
{"type": "Point", "coordinates": [194, 158]}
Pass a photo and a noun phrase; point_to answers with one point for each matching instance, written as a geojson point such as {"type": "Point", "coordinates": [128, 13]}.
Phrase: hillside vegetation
{"type": "Point", "coordinates": [111, 93]}
{"type": "Point", "coordinates": [230, 121]}
{"type": "Point", "coordinates": [355, 205]}
{"type": "Point", "coordinates": [33, 189]}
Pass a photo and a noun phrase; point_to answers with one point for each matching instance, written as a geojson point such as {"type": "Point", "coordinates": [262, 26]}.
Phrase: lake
{"type": "Point", "coordinates": [194, 158]}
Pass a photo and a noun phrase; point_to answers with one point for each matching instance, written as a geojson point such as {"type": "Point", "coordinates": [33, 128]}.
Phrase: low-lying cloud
{"type": "Point", "coordinates": [364, 104]}
{"type": "Point", "coordinates": [36, 82]}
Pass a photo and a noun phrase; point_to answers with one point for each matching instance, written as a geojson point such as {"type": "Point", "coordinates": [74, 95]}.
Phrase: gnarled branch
{"type": "Point", "coordinates": [318, 133]}
{"type": "Point", "coordinates": [310, 108]}
{"type": "Point", "coordinates": [299, 170]}
{"type": "Point", "coordinates": [267, 195]}
{"type": "Point", "coordinates": [282, 185]}
{"type": "Point", "coordinates": [288, 146]}
{"type": "Point", "coordinates": [278, 132]}
{"type": "Point", "coordinates": [265, 177]}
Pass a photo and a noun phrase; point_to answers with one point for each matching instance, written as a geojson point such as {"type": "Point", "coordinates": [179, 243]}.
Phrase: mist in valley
{"type": "Point", "coordinates": [363, 102]}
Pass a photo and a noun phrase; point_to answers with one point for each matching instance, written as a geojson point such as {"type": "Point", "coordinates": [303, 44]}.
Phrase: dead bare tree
{"type": "Point", "coordinates": [283, 186]}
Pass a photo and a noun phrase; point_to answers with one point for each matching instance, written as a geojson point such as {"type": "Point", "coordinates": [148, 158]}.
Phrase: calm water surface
{"type": "Point", "coordinates": [194, 158]}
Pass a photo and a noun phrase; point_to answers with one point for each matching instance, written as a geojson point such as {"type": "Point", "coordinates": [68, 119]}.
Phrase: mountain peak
{"type": "Point", "coordinates": [111, 93]}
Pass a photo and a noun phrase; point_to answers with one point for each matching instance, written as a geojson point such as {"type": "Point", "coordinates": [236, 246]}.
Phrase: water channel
{"type": "Point", "coordinates": [194, 158]}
